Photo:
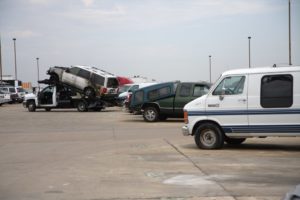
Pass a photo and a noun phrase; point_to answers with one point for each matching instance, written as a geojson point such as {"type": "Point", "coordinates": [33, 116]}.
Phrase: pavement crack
{"type": "Point", "coordinates": [196, 166]}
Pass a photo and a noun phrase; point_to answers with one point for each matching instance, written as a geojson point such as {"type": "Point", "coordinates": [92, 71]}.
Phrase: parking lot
{"type": "Point", "coordinates": [65, 154]}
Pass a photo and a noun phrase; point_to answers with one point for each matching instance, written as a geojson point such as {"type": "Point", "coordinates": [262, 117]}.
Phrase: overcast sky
{"type": "Point", "coordinates": [161, 39]}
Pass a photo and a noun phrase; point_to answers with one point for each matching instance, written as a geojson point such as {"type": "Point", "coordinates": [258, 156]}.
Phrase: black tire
{"type": "Point", "coordinates": [31, 106]}
{"type": "Point", "coordinates": [89, 92]}
{"type": "Point", "coordinates": [209, 136]}
{"type": "Point", "coordinates": [150, 114]}
{"type": "Point", "coordinates": [82, 106]}
{"type": "Point", "coordinates": [234, 141]}
{"type": "Point", "coordinates": [48, 109]}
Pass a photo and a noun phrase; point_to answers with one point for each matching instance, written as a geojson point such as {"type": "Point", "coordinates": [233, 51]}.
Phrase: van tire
{"type": "Point", "coordinates": [82, 106]}
{"type": "Point", "coordinates": [150, 114]}
{"type": "Point", "coordinates": [234, 141]}
{"type": "Point", "coordinates": [31, 106]}
{"type": "Point", "coordinates": [89, 92]}
{"type": "Point", "coordinates": [209, 136]}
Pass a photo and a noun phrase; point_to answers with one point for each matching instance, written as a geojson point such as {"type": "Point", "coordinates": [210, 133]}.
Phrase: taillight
{"type": "Point", "coordinates": [185, 117]}
{"type": "Point", "coordinates": [103, 90]}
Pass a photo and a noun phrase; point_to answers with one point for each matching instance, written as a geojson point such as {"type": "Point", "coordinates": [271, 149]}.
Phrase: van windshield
{"type": "Point", "coordinates": [112, 83]}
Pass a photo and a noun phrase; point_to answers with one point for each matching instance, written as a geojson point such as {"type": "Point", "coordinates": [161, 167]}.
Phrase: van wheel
{"type": "Point", "coordinates": [89, 92]}
{"type": "Point", "coordinates": [234, 141]}
{"type": "Point", "coordinates": [31, 106]}
{"type": "Point", "coordinates": [150, 114]}
{"type": "Point", "coordinates": [209, 136]}
{"type": "Point", "coordinates": [81, 106]}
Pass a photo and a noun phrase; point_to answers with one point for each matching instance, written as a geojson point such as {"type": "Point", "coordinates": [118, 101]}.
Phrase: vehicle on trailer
{"type": "Point", "coordinates": [61, 96]}
{"type": "Point", "coordinates": [90, 81]}
{"type": "Point", "coordinates": [160, 101]}
{"type": "Point", "coordinates": [256, 102]}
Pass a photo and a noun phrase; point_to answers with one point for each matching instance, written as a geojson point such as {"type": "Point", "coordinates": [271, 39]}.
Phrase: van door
{"type": "Point", "coordinates": [273, 105]}
{"type": "Point", "coordinates": [227, 104]}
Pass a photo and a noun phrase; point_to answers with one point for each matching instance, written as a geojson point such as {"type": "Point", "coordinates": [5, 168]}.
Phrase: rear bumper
{"type": "Point", "coordinates": [185, 130]}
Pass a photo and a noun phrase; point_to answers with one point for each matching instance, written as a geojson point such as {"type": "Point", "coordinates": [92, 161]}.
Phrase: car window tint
{"type": "Point", "coordinates": [84, 74]}
{"type": "Point", "coordinates": [185, 90]}
{"type": "Point", "coordinates": [200, 90]}
{"type": "Point", "coordinates": [74, 70]}
{"type": "Point", "coordinates": [13, 90]}
{"type": "Point", "coordinates": [276, 91]}
{"type": "Point", "coordinates": [98, 80]}
{"type": "Point", "coordinates": [112, 83]}
{"type": "Point", "coordinates": [158, 93]}
{"type": "Point", "coordinates": [230, 86]}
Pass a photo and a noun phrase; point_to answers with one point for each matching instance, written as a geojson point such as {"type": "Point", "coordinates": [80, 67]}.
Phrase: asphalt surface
{"type": "Point", "coordinates": [110, 155]}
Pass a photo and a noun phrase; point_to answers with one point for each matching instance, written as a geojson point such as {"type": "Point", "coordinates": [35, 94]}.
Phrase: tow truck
{"type": "Point", "coordinates": [61, 96]}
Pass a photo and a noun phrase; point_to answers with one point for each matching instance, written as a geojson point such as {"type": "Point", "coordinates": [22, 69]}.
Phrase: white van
{"type": "Point", "coordinates": [257, 102]}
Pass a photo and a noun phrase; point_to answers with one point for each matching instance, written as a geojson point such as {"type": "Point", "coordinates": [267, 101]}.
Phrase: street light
{"type": "Point", "coordinates": [38, 71]}
{"type": "Point", "coordinates": [15, 53]}
{"type": "Point", "coordinates": [209, 69]}
{"type": "Point", "coordinates": [249, 38]}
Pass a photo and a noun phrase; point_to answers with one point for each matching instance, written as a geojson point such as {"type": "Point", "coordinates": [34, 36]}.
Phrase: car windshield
{"type": "Point", "coordinates": [124, 88]}
{"type": "Point", "coordinates": [112, 83]}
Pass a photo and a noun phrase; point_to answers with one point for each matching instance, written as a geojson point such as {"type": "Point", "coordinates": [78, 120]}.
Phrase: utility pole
{"type": "Point", "coordinates": [209, 69]}
{"type": "Point", "coordinates": [249, 38]}
{"type": "Point", "coordinates": [15, 54]}
{"type": "Point", "coordinates": [38, 71]}
{"type": "Point", "coordinates": [290, 42]}
{"type": "Point", "coordinates": [0, 63]}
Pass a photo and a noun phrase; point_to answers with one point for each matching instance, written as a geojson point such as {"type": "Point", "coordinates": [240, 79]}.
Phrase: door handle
{"type": "Point", "coordinates": [242, 100]}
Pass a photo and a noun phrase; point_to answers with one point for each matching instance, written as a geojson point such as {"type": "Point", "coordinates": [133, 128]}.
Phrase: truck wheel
{"type": "Point", "coordinates": [150, 114]}
{"type": "Point", "coordinates": [209, 136]}
{"type": "Point", "coordinates": [81, 106]}
{"type": "Point", "coordinates": [31, 106]}
{"type": "Point", "coordinates": [234, 141]}
{"type": "Point", "coordinates": [89, 92]}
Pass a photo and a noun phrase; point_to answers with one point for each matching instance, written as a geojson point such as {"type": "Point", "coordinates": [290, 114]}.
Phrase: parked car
{"type": "Point", "coordinates": [160, 101]}
{"type": "Point", "coordinates": [256, 102]}
{"type": "Point", "coordinates": [5, 97]}
{"type": "Point", "coordinates": [17, 93]}
{"type": "Point", "coordinates": [88, 80]}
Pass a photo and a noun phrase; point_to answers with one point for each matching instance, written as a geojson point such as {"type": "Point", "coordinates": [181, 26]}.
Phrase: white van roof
{"type": "Point", "coordinates": [96, 71]}
{"type": "Point", "coordinates": [261, 70]}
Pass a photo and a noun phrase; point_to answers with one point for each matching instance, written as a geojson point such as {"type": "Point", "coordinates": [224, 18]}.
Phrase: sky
{"type": "Point", "coordinates": [164, 40]}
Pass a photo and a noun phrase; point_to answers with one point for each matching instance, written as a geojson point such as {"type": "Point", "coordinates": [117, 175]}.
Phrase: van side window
{"type": "Point", "coordinates": [185, 90]}
{"type": "Point", "coordinates": [230, 86]}
{"type": "Point", "coordinates": [276, 91]}
{"type": "Point", "coordinates": [200, 90]}
{"type": "Point", "coordinates": [84, 74]}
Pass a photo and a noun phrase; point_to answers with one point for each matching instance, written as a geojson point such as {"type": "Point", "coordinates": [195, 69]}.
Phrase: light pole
{"type": "Point", "coordinates": [0, 63]}
{"type": "Point", "coordinates": [38, 71]}
{"type": "Point", "coordinates": [290, 43]}
{"type": "Point", "coordinates": [209, 69]}
{"type": "Point", "coordinates": [249, 38]}
{"type": "Point", "coordinates": [15, 54]}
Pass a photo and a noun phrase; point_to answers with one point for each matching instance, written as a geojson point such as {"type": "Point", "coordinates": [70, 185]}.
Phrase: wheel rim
{"type": "Point", "coordinates": [208, 137]}
{"type": "Point", "coordinates": [81, 106]}
{"type": "Point", "coordinates": [150, 115]}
